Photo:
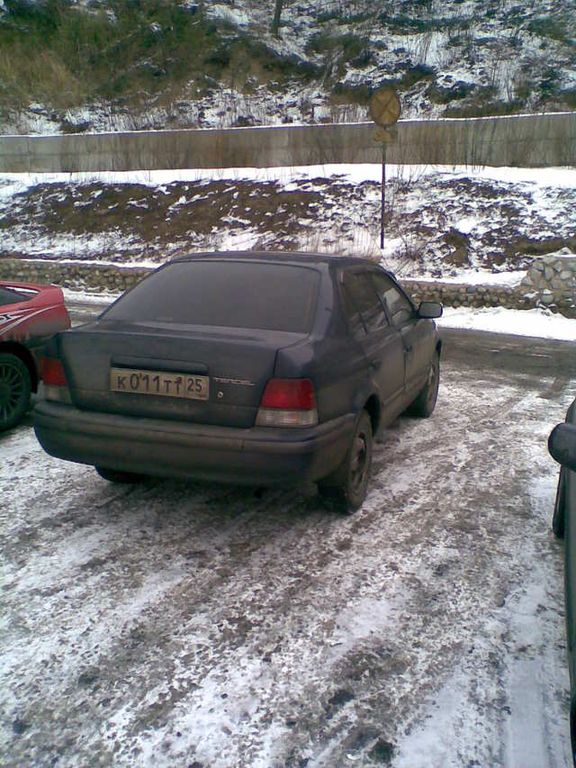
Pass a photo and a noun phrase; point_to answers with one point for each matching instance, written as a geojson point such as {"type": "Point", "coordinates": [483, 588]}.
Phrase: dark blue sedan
{"type": "Point", "coordinates": [260, 368]}
{"type": "Point", "coordinates": [562, 446]}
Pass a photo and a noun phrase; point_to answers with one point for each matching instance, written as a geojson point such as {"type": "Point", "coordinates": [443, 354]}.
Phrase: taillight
{"type": "Point", "coordinates": [53, 372]}
{"type": "Point", "coordinates": [54, 378]}
{"type": "Point", "coordinates": [288, 403]}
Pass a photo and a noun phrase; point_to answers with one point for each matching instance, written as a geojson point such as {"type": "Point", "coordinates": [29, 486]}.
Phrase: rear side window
{"type": "Point", "coordinates": [233, 294]}
{"type": "Point", "coordinates": [12, 296]}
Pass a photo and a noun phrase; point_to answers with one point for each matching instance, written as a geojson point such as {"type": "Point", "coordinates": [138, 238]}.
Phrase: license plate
{"type": "Point", "coordinates": [159, 383]}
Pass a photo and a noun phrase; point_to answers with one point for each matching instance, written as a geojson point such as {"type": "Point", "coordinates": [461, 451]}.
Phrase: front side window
{"type": "Point", "coordinates": [399, 306]}
{"type": "Point", "coordinates": [363, 301]}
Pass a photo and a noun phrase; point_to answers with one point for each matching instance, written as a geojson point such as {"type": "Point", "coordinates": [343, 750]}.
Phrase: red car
{"type": "Point", "coordinates": [29, 315]}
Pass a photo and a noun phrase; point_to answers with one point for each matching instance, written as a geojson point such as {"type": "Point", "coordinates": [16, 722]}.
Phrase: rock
{"type": "Point", "coordinates": [244, 121]}
{"type": "Point", "coordinates": [382, 752]}
{"type": "Point", "coordinates": [460, 245]}
{"type": "Point", "coordinates": [341, 697]}
{"type": "Point", "coordinates": [19, 726]}
{"type": "Point", "coordinates": [88, 677]}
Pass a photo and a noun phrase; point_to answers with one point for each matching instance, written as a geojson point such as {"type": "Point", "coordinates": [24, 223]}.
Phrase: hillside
{"type": "Point", "coordinates": [119, 64]}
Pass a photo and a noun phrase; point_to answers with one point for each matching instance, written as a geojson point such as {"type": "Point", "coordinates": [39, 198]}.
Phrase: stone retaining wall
{"type": "Point", "coordinates": [93, 278]}
{"type": "Point", "coordinates": [549, 276]}
{"type": "Point", "coordinates": [551, 282]}
{"type": "Point", "coordinates": [465, 295]}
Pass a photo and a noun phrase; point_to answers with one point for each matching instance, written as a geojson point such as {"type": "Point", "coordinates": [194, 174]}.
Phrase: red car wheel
{"type": "Point", "coordinates": [15, 388]}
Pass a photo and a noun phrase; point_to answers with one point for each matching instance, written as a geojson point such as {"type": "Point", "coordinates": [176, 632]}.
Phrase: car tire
{"type": "Point", "coordinates": [347, 486]}
{"type": "Point", "coordinates": [15, 390]}
{"type": "Point", "coordinates": [559, 516]}
{"type": "Point", "coordinates": [118, 476]}
{"type": "Point", "coordinates": [425, 403]}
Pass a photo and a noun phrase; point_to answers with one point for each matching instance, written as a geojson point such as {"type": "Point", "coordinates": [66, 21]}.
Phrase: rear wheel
{"type": "Point", "coordinates": [559, 517]}
{"type": "Point", "coordinates": [347, 486]}
{"type": "Point", "coordinates": [15, 389]}
{"type": "Point", "coordinates": [425, 403]}
{"type": "Point", "coordinates": [118, 476]}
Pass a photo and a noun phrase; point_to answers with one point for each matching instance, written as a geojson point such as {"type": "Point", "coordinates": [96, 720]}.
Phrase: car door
{"type": "Point", "coordinates": [381, 343]}
{"type": "Point", "coordinates": [417, 334]}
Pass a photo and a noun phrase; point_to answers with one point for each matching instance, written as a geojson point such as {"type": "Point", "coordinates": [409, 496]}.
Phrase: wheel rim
{"type": "Point", "coordinates": [358, 462]}
{"type": "Point", "coordinates": [432, 383]}
{"type": "Point", "coordinates": [12, 391]}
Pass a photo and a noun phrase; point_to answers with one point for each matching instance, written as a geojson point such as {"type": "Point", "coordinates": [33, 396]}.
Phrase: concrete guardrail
{"type": "Point", "coordinates": [518, 141]}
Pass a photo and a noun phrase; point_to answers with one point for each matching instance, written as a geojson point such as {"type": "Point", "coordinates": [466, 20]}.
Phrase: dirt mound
{"type": "Point", "coordinates": [436, 224]}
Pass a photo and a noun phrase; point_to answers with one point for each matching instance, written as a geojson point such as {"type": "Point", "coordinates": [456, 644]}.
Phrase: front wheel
{"type": "Point", "coordinates": [349, 483]}
{"type": "Point", "coordinates": [15, 389]}
{"type": "Point", "coordinates": [118, 476]}
{"type": "Point", "coordinates": [425, 403]}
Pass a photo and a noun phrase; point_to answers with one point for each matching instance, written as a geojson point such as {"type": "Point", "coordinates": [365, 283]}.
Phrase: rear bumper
{"type": "Point", "coordinates": [175, 449]}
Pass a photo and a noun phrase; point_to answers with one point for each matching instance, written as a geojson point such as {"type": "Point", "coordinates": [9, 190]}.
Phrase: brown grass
{"type": "Point", "coordinates": [30, 75]}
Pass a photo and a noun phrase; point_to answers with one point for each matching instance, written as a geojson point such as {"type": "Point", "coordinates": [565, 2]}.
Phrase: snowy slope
{"type": "Point", "coordinates": [458, 57]}
{"type": "Point", "coordinates": [463, 223]}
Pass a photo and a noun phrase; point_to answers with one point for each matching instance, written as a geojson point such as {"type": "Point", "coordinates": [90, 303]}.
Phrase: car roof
{"type": "Point", "coordinates": [281, 257]}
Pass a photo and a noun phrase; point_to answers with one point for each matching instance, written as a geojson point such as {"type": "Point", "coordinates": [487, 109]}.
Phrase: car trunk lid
{"type": "Point", "coordinates": [197, 374]}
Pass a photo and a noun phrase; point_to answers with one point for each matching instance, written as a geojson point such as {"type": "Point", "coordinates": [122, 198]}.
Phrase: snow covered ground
{"type": "Point", "coordinates": [533, 322]}
{"type": "Point", "coordinates": [179, 624]}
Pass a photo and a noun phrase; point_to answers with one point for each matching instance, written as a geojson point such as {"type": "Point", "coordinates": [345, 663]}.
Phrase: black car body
{"type": "Point", "coordinates": [562, 446]}
{"type": "Point", "coordinates": [257, 368]}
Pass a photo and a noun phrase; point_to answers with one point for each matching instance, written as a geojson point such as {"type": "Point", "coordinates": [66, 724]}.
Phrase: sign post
{"type": "Point", "coordinates": [384, 110]}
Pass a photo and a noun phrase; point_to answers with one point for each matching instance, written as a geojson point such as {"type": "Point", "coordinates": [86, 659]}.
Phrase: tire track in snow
{"type": "Point", "coordinates": [203, 624]}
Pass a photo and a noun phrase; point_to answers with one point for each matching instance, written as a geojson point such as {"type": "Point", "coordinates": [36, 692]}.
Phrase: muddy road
{"type": "Point", "coordinates": [191, 625]}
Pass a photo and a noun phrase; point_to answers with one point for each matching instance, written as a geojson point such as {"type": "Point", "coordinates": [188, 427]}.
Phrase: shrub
{"type": "Point", "coordinates": [553, 27]}
{"type": "Point", "coordinates": [347, 46]}
{"type": "Point", "coordinates": [54, 51]}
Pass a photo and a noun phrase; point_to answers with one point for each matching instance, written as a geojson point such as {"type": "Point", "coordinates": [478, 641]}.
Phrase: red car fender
{"type": "Point", "coordinates": [34, 320]}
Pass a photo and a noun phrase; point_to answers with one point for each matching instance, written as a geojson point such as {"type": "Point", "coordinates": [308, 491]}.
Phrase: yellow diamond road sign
{"type": "Point", "coordinates": [385, 107]}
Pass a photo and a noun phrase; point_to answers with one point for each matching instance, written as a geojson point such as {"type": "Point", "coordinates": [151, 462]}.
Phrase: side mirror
{"type": "Point", "coordinates": [562, 445]}
{"type": "Point", "coordinates": [430, 310]}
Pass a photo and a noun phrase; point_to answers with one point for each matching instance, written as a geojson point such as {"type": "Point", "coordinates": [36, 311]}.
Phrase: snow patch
{"type": "Point", "coordinates": [532, 322]}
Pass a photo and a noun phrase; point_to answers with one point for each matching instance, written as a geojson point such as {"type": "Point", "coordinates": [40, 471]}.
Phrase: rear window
{"type": "Point", "coordinates": [12, 296]}
{"type": "Point", "coordinates": [233, 294]}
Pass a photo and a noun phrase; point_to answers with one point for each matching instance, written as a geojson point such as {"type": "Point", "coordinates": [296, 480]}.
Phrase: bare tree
{"type": "Point", "coordinates": [276, 20]}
